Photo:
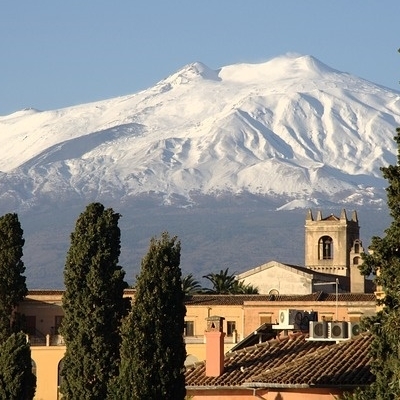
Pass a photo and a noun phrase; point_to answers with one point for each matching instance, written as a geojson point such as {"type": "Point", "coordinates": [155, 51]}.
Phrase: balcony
{"type": "Point", "coordinates": [39, 339]}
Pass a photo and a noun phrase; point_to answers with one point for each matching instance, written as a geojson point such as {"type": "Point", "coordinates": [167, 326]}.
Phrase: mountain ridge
{"type": "Point", "coordinates": [290, 133]}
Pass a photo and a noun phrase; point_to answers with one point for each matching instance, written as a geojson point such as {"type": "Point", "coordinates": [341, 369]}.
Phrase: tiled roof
{"type": "Point", "coordinates": [291, 361]}
{"type": "Point", "coordinates": [344, 364]}
{"type": "Point", "coordinates": [370, 297]}
{"type": "Point", "coordinates": [46, 292]}
{"type": "Point", "coordinates": [240, 299]}
{"type": "Point", "coordinates": [224, 299]}
{"type": "Point", "coordinates": [60, 292]}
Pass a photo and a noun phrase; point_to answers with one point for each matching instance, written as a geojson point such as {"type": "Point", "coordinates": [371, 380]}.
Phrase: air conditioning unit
{"type": "Point", "coordinates": [290, 317]}
{"type": "Point", "coordinates": [318, 330]}
{"type": "Point", "coordinates": [354, 329]}
{"type": "Point", "coordinates": [338, 330]}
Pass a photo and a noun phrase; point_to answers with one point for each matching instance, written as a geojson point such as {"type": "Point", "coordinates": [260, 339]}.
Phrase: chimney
{"type": "Point", "coordinates": [214, 346]}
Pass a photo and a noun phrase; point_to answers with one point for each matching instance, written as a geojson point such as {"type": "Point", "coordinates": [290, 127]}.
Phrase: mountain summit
{"type": "Point", "coordinates": [238, 143]}
{"type": "Point", "coordinates": [292, 129]}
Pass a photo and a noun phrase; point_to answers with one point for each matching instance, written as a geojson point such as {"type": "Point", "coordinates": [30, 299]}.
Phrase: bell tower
{"type": "Point", "coordinates": [331, 244]}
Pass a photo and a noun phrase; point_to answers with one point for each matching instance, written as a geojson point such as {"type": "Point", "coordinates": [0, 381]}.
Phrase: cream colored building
{"type": "Point", "coordinates": [322, 286]}
{"type": "Point", "coordinates": [333, 246]}
{"type": "Point", "coordinates": [43, 313]}
{"type": "Point", "coordinates": [332, 256]}
{"type": "Point", "coordinates": [276, 278]}
{"type": "Point", "coordinates": [243, 314]}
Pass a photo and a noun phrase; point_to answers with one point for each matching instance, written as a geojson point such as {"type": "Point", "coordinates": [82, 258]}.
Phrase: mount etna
{"type": "Point", "coordinates": [226, 159]}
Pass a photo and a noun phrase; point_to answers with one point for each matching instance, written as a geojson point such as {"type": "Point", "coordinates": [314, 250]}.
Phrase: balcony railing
{"type": "Point", "coordinates": [45, 340]}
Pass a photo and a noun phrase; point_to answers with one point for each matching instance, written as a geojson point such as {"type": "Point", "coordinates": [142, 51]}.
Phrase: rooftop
{"type": "Point", "coordinates": [292, 361]}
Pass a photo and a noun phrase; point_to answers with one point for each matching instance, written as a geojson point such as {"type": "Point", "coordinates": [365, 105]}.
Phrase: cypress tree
{"type": "Point", "coordinates": [153, 350]}
{"type": "Point", "coordinates": [383, 262]}
{"type": "Point", "coordinates": [12, 281]}
{"type": "Point", "coordinates": [17, 382]}
{"type": "Point", "coordinates": [93, 305]}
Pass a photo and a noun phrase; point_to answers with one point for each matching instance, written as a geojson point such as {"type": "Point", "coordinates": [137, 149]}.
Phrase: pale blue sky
{"type": "Point", "coordinates": [56, 54]}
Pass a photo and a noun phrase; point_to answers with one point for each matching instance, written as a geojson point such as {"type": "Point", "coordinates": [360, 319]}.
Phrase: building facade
{"type": "Point", "coordinates": [333, 246]}
{"type": "Point", "coordinates": [329, 285]}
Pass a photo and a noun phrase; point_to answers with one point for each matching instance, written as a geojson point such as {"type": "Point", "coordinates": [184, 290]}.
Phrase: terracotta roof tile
{"type": "Point", "coordinates": [38, 292]}
{"type": "Point", "coordinates": [240, 299]}
{"type": "Point", "coordinates": [344, 364]}
{"type": "Point", "coordinates": [243, 364]}
{"type": "Point", "coordinates": [351, 297]}
{"type": "Point", "coordinates": [224, 299]}
{"type": "Point", "coordinates": [291, 361]}
{"type": "Point", "coordinates": [45, 292]}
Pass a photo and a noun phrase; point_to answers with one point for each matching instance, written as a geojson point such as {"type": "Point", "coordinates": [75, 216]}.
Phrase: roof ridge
{"type": "Point", "coordinates": [268, 343]}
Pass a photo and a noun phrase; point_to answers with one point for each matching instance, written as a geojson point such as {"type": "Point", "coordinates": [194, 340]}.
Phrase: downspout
{"type": "Point", "coordinates": [243, 335]}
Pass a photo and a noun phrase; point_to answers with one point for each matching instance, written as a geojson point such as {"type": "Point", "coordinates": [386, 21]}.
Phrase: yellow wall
{"type": "Point", "coordinates": [47, 360]}
{"type": "Point", "coordinates": [264, 394]}
{"type": "Point", "coordinates": [199, 314]}
{"type": "Point", "coordinates": [46, 305]}
{"type": "Point", "coordinates": [346, 311]}
{"type": "Point", "coordinates": [252, 314]}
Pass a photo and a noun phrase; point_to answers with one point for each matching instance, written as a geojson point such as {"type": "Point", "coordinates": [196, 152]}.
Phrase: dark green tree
{"type": "Point", "coordinates": [17, 382]}
{"type": "Point", "coordinates": [93, 305]}
{"type": "Point", "coordinates": [12, 281]}
{"type": "Point", "coordinates": [383, 261]}
{"type": "Point", "coordinates": [153, 350]}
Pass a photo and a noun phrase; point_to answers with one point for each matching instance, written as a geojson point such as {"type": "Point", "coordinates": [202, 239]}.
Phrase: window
{"type": "Point", "coordinates": [30, 324]}
{"type": "Point", "coordinates": [189, 328]}
{"type": "Point", "coordinates": [230, 327]}
{"type": "Point", "coordinates": [57, 323]}
{"type": "Point", "coordinates": [325, 248]}
{"type": "Point", "coordinates": [356, 260]}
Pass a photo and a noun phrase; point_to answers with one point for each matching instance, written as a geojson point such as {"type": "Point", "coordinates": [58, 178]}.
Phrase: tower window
{"type": "Point", "coordinates": [325, 248]}
{"type": "Point", "coordinates": [356, 260]}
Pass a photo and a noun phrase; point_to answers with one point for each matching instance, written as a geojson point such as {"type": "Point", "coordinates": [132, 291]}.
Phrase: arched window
{"type": "Point", "coordinates": [356, 260]}
{"type": "Point", "coordinates": [325, 248]}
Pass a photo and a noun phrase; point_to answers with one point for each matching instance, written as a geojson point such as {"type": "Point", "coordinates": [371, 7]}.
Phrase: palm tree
{"type": "Point", "coordinates": [226, 283]}
{"type": "Point", "coordinates": [222, 282]}
{"type": "Point", "coordinates": [190, 285]}
{"type": "Point", "coordinates": [241, 288]}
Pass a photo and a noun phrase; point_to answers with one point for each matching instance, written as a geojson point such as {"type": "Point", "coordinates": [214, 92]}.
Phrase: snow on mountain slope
{"type": "Point", "coordinates": [291, 128]}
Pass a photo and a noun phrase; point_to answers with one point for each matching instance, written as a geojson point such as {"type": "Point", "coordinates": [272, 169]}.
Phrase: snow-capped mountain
{"type": "Point", "coordinates": [291, 128]}
{"type": "Point", "coordinates": [289, 133]}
